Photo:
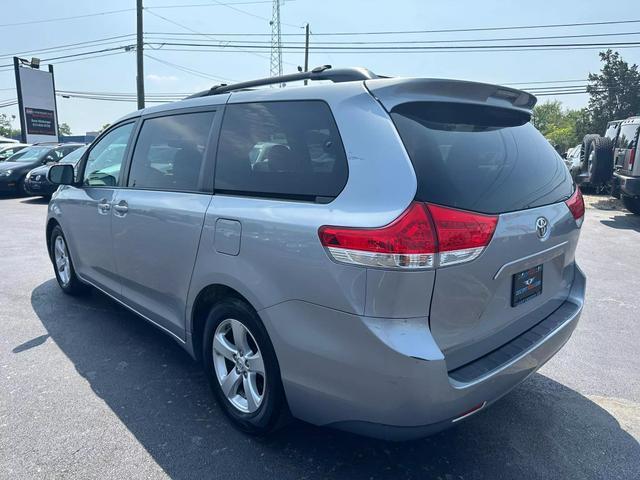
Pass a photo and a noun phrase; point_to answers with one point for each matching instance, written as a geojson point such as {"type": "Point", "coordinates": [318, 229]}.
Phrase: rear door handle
{"type": "Point", "coordinates": [121, 208]}
{"type": "Point", "coordinates": [103, 206]}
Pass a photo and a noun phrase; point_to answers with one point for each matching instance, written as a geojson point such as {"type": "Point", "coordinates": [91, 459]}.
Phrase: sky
{"type": "Point", "coordinates": [209, 21]}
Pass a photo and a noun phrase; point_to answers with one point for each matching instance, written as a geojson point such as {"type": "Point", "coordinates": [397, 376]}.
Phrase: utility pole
{"type": "Point", "coordinates": [139, 56]}
{"type": "Point", "coordinates": [306, 50]}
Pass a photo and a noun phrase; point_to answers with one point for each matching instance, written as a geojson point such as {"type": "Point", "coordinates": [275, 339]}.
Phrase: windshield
{"type": "Point", "coordinates": [74, 157]}
{"type": "Point", "coordinates": [29, 154]}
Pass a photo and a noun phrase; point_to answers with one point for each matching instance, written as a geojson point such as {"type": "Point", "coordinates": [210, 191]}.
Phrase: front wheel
{"type": "Point", "coordinates": [63, 266]}
{"type": "Point", "coordinates": [242, 369]}
{"type": "Point", "coordinates": [632, 204]}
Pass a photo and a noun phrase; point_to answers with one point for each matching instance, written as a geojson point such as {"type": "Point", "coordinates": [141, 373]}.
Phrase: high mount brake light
{"type": "Point", "coordinates": [576, 206]}
{"type": "Point", "coordinates": [423, 236]}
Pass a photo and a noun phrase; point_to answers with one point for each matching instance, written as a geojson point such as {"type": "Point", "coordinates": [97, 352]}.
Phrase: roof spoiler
{"type": "Point", "coordinates": [391, 92]}
{"type": "Point", "coordinates": [324, 72]}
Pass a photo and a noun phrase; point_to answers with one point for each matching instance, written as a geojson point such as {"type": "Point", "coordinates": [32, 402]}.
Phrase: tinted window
{"type": "Point", "coordinates": [105, 157]}
{"type": "Point", "coordinates": [30, 154]}
{"type": "Point", "coordinates": [480, 158]}
{"type": "Point", "coordinates": [612, 131]}
{"type": "Point", "coordinates": [74, 156]}
{"type": "Point", "coordinates": [169, 153]}
{"type": "Point", "coordinates": [280, 149]}
{"type": "Point", "coordinates": [628, 135]}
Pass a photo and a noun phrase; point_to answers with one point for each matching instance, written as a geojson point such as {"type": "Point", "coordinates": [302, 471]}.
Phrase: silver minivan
{"type": "Point", "coordinates": [387, 256]}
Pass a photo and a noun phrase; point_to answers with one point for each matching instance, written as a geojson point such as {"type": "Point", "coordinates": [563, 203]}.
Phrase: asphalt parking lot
{"type": "Point", "coordinates": [88, 390]}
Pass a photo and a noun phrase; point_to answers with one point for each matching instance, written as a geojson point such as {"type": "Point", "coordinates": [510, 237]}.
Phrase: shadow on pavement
{"type": "Point", "coordinates": [604, 202]}
{"type": "Point", "coordinates": [627, 221]}
{"type": "Point", "coordinates": [541, 430]}
{"type": "Point", "coordinates": [36, 200]}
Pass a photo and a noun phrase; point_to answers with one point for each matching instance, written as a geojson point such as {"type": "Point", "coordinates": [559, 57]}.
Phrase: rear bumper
{"type": "Point", "coordinates": [628, 185]}
{"type": "Point", "coordinates": [387, 378]}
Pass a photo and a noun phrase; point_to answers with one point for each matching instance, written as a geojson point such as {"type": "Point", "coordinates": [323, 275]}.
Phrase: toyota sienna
{"type": "Point", "coordinates": [387, 256]}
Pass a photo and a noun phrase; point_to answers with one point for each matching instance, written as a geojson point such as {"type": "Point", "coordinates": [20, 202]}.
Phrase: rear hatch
{"type": "Point", "coordinates": [624, 152]}
{"type": "Point", "coordinates": [474, 150]}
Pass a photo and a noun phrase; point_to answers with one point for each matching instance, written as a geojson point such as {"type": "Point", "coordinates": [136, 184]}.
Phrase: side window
{"type": "Point", "coordinates": [169, 153]}
{"type": "Point", "coordinates": [106, 157]}
{"type": "Point", "coordinates": [288, 150]}
{"type": "Point", "coordinates": [628, 135]}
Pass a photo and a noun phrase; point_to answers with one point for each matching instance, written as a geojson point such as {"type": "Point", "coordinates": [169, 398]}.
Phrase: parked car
{"type": "Point", "coordinates": [608, 162]}
{"type": "Point", "coordinates": [573, 159]}
{"type": "Point", "coordinates": [13, 171]}
{"type": "Point", "coordinates": [8, 149]}
{"type": "Point", "coordinates": [402, 258]}
{"type": "Point", "coordinates": [627, 164]}
{"type": "Point", "coordinates": [36, 181]}
{"type": "Point", "coordinates": [5, 140]}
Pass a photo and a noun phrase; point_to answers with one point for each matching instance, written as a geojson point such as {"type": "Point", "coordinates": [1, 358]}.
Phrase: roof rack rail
{"type": "Point", "coordinates": [324, 72]}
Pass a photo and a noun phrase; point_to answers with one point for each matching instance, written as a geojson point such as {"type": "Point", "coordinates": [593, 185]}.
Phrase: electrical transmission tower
{"type": "Point", "coordinates": [276, 40]}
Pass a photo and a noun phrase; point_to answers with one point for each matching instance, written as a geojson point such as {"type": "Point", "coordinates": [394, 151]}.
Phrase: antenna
{"type": "Point", "coordinates": [276, 41]}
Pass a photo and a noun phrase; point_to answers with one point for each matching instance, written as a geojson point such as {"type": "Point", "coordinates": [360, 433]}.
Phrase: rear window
{"type": "Point", "coordinates": [480, 158]}
{"type": "Point", "coordinates": [628, 133]}
{"type": "Point", "coordinates": [289, 150]}
{"type": "Point", "coordinates": [612, 131]}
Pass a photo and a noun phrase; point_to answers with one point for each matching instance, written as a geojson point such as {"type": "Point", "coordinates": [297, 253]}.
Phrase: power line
{"type": "Point", "coordinates": [210, 4]}
{"type": "Point", "coordinates": [359, 49]}
{"type": "Point", "coordinates": [206, 35]}
{"type": "Point", "coordinates": [411, 42]}
{"type": "Point", "coordinates": [239, 10]}
{"type": "Point", "coordinates": [61, 57]}
{"type": "Point", "coordinates": [122, 10]}
{"type": "Point", "coordinates": [192, 71]}
{"type": "Point", "coordinates": [70, 46]}
{"type": "Point", "coordinates": [74, 17]}
{"type": "Point", "coordinates": [482, 29]}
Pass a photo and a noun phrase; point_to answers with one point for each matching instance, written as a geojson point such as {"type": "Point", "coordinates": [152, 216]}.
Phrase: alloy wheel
{"type": "Point", "coordinates": [61, 256]}
{"type": "Point", "coordinates": [239, 366]}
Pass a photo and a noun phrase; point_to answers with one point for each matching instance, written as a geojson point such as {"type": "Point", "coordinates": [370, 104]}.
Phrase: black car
{"type": "Point", "coordinates": [37, 183]}
{"type": "Point", "coordinates": [13, 171]}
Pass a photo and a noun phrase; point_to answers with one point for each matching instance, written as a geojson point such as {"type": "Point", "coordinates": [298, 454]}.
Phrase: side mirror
{"type": "Point", "coordinates": [61, 174]}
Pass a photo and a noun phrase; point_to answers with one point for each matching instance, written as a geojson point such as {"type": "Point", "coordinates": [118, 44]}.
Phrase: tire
{"type": "Point", "coordinates": [632, 204]}
{"type": "Point", "coordinates": [587, 144]}
{"type": "Point", "coordinates": [257, 418]}
{"type": "Point", "coordinates": [65, 274]}
{"type": "Point", "coordinates": [600, 166]}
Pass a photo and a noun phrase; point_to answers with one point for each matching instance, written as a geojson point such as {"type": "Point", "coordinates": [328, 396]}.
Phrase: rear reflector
{"type": "Point", "coordinates": [424, 236]}
{"type": "Point", "coordinates": [469, 412]}
{"type": "Point", "coordinates": [576, 206]}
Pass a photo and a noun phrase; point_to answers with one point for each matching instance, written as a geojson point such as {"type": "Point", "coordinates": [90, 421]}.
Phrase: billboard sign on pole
{"type": "Point", "coordinates": [37, 103]}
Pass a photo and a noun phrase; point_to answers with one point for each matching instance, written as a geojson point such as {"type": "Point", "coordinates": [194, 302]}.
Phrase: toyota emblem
{"type": "Point", "coordinates": [542, 227]}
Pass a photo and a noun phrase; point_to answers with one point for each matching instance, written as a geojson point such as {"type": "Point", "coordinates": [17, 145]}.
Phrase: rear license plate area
{"type": "Point", "coordinates": [526, 285]}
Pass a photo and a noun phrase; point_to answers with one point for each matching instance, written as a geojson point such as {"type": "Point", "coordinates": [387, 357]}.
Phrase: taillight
{"type": "Point", "coordinates": [632, 158]}
{"type": "Point", "coordinates": [424, 236]}
{"type": "Point", "coordinates": [462, 236]}
{"type": "Point", "coordinates": [576, 206]}
{"type": "Point", "coordinates": [407, 242]}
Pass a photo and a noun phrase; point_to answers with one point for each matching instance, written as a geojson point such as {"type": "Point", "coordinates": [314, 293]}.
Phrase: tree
{"type": "Point", "coordinates": [614, 93]}
{"type": "Point", "coordinates": [6, 129]}
{"type": "Point", "coordinates": [5, 125]}
{"type": "Point", "coordinates": [64, 129]}
{"type": "Point", "coordinates": [563, 128]}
